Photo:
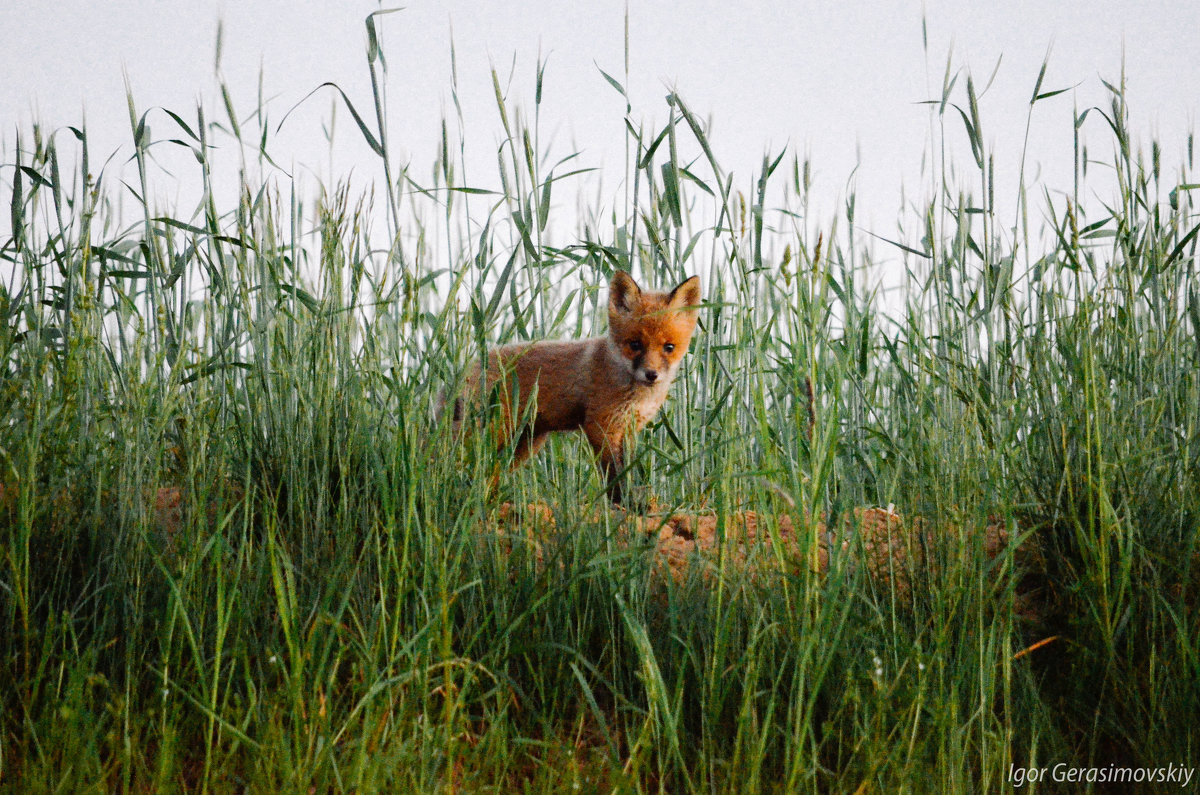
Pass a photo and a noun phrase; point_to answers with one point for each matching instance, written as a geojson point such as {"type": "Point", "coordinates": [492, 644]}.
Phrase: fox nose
{"type": "Point", "coordinates": [651, 376]}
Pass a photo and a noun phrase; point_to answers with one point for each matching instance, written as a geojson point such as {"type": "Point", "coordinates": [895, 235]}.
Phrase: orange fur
{"type": "Point", "coordinates": [609, 387]}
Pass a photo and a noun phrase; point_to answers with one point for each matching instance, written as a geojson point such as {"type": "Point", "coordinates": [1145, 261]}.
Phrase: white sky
{"type": "Point", "coordinates": [838, 81]}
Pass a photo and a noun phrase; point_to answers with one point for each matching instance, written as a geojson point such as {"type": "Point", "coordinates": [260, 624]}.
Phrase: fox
{"type": "Point", "coordinates": [608, 386]}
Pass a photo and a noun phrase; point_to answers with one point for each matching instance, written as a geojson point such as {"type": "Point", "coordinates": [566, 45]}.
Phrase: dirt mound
{"type": "Point", "coordinates": [893, 550]}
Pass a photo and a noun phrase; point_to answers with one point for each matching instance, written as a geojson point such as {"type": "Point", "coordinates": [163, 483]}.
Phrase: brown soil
{"type": "Point", "coordinates": [894, 551]}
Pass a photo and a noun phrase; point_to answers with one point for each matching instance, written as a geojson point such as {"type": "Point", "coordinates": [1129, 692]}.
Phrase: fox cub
{"type": "Point", "coordinates": [609, 387]}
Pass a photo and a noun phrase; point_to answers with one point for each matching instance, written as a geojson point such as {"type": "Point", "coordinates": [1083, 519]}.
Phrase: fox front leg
{"type": "Point", "coordinates": [610, 450]}
{"type": "Point", "coordinates": [614, 468]}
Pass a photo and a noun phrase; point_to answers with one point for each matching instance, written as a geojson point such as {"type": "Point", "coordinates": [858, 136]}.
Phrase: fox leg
{"type": "Point", "coordinates": [612, 464]}
{"type": "Point", "coordinates": [610, 449]}
{"type": "Point", "coordinates": [527, 446]}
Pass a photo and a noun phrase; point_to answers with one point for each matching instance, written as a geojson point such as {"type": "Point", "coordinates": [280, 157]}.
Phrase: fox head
{"type": "Point", "coordinates": [650, 331]}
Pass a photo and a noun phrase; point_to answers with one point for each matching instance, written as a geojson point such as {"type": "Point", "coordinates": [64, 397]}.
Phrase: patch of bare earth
{"type": "Point", "coordinates": [894, 551]}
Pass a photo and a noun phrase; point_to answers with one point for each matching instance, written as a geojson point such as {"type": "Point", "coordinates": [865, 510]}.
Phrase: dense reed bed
{"type": "Point", "coordinates": [241, 551]}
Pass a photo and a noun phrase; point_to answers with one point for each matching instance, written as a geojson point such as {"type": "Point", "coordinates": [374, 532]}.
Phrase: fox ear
{"type": "Point", "coordinates": [623, 293]}
{"type": "Point", "coordinates": [686, 294]}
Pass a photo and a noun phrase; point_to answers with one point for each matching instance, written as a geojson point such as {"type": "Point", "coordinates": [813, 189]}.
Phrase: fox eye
{"type": "Point", "coordinates": [670, 346]}
{"type": "Point", "coordinates": [635, 346]}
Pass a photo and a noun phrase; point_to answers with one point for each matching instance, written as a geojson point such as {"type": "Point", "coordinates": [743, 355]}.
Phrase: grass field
{"type": "Point", "coordinates": [241, 551]}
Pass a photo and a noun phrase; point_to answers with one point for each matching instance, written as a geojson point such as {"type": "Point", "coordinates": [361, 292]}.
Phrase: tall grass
{"type": "Point", "coordinates": [241, 551]}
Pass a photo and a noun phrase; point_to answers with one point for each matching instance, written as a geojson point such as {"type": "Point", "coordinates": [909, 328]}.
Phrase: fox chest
{"type": "Point", "coordinates": [628, 411]}
{"type": "Point", "coordinates": [644, 409]}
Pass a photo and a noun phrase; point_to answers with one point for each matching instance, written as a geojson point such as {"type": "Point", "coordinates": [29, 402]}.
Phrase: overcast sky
{"type": "Point", "coordinates": [837, 81]}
